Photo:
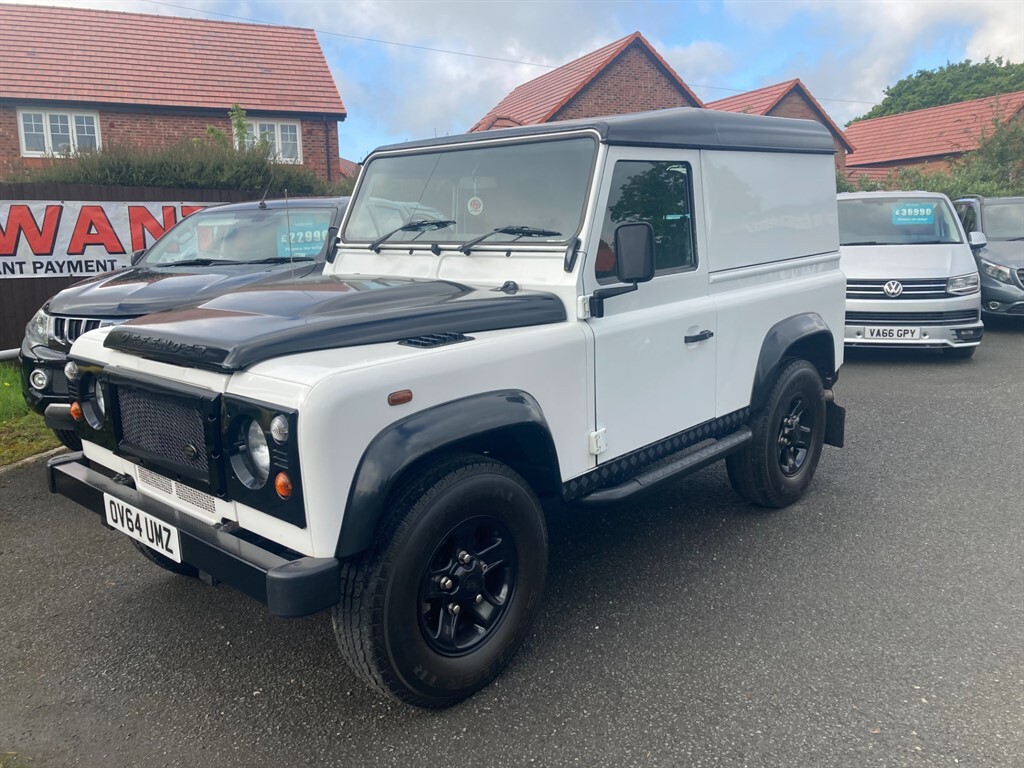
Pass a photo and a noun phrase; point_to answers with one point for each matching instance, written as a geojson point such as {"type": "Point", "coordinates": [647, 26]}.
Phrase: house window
{"type": "Point", "coordinates": [57, 132]}
{"type": "Point", "coordinates": [283, 139]}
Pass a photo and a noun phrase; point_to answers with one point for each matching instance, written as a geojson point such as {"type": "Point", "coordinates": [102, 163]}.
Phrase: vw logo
{"type": "Point", "coordinates": [893, 288]}
{"type": "Point", "coordinates": [190, 452]}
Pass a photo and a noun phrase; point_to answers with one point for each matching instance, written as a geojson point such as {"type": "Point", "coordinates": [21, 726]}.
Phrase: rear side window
{"type": "Point", "coordinates": [660, 193]}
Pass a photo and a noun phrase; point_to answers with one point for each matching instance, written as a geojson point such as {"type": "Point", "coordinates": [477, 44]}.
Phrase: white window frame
{"type": "Point", "coordinates": [256, 122]}
{"type": "Point", "coordinates": [71, 114]}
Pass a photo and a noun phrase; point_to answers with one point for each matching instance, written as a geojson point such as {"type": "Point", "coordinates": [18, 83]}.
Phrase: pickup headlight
{"type": "Point", "coordinates": [93, 401]}
{"type": "Point", "coordinates": [962, 285]}
{"type": "Point", "coordinates": [996, 271]}
{"type": "Point", "coordinates": [38, 329]}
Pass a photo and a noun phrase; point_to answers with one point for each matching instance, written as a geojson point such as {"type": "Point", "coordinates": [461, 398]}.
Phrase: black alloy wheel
{"type": "Point", "coordinates": [795, 433]}
{"type": "Point", "coordinates": [468, 585]}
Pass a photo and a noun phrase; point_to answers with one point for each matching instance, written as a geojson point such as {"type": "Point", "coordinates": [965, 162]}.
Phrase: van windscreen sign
{"type": "Point", "coordinates": [76, 239]}
{"type": "Point", "coordinates": [913, 213]}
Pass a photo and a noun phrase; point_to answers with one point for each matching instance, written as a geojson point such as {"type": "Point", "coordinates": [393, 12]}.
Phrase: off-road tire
{"type": "Point", "coordinates": [181, 569]}
{"type": "Point", "coordinates": [381, 623]}
{"type": "Point", "coordinates": [769, 472]}
{"type": "Point", "coordinates": [69, 439]}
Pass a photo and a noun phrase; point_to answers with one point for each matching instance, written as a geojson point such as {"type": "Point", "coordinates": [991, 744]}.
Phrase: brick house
{"type": "Point", "coordinates": [76, 79]}
{"type": "Point", "coordinates": [622, 77]}
{"type": "Point", "coordinates": [926, 139]}
{"type": "Point", "coordinates": [788, 99]}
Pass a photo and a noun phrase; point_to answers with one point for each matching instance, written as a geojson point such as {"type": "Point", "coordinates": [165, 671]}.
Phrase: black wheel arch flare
{"type": "Point", "coordinates": [806, 336]}
{"type": "Point", "coordinates": [508, 424]}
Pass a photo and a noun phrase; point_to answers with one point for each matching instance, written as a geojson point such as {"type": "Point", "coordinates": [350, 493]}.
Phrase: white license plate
{"type": "Point", "coordinates": [143, 527]}
{"type": "Point", "coordinates": [891, 332]}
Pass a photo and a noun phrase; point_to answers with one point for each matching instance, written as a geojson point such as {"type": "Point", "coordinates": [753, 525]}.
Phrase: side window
{"type": "Point", "coordinates": [660, 193]}
{"type": "Point", "coordinates": [968, 216]}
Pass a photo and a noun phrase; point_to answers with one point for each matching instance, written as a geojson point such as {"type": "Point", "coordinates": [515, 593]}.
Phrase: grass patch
{"type": "Point", "coordinates": [22, 432]}
{"type": "Point", "coordinates": [12, 760]}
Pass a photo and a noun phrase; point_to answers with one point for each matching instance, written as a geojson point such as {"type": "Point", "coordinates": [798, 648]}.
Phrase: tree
{"type": "Point", "coordinates": [952, 83]}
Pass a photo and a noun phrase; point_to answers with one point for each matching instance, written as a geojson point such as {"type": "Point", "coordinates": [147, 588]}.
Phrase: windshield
{"type": "Point", "coordinates": [1004, 221]}
{"type": "Point", "coordinates": [896, 221]}
{"type": "Point", "coordinates": [265, 234]}
{"type": "Point", "coordinates": [540, 184]}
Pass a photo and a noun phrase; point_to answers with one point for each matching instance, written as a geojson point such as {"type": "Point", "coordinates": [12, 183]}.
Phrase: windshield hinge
{"type": "Point", "coordinates": [598, 442]}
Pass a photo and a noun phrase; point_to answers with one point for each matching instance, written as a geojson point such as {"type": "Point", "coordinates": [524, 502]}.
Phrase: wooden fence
{"type": "Point", "coordinates": [21, 298]}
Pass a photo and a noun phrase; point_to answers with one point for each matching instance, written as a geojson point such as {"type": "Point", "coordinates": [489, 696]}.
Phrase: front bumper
{"type": "Point", "coordinates": [939, 323]}
{"type": "Point", "coordinates": [289, 587]}
{"type": "Point", "coordinates": [1001, 298]}
{"type": "Point", "coordinates": [52, 361]}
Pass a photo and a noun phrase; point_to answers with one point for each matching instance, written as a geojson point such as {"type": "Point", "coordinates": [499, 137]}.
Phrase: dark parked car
{"type": "Point", "coordinates": [1001, 260]}
{"type": "Point", "coordinates": [214, 250]}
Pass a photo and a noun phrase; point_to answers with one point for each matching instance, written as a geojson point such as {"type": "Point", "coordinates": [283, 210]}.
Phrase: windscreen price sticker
{"type": "Point", "coordinates": [913, 213]}
{"type": "Point", "coordinates": [302, 238]}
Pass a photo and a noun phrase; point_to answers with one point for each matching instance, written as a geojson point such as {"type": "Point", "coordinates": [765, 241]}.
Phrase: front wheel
{"type": "Point", "coordinates": [69, 438]}
{"type": "Point", "coordinates": [776, 468]}
{"type": "Point", "coordinates": [959, 353]}
{"type": "Point", "coordinates": [435, 610]}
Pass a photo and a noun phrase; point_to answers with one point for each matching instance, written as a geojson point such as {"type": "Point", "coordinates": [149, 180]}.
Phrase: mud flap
{"type": "Point", "coordinates": [835, 424]}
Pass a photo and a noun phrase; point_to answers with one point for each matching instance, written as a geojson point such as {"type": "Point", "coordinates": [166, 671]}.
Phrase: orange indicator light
{"type": "Point", "coordinates": [283, 485]}
{"type": "Point", "coordinates": [401, 397]}
{"type": "Point", "coordinates": [76, 411]}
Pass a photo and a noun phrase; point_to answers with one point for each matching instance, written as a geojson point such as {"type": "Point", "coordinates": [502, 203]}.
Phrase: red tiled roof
{"type": "Point", "coordinates": [538, 100]}
{"type": "Point", "coordinates": [105, 57]}
{"type": "Point", "coordinates": [933, 132]}
{"type": "Point", "coordinates": [347, 168]}
{"type": "Point", "coordinates": [763, 100]}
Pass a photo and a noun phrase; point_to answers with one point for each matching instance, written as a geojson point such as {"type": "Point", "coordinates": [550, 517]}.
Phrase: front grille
{"type": "Point", "coordinates": [180, 491]}
{"type": "Point", "coordinates": [67, 329]}
{"type": "Point", "coordinates": [912, 318]}
{"type": "Point", "coordinates": [930, 288]}
{"type": "Point", "coordinates": [1020, 276]}
{"type": "Point", "coordinates": [163, 426]}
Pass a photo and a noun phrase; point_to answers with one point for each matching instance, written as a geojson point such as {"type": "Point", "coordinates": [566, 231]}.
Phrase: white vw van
{"type": "Point", "coordinates": [911, 279]}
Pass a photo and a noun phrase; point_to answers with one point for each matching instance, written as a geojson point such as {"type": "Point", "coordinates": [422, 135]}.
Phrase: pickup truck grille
{"type": "Point", "coordinates": [912, 318]}
{"type": "Point", "coordinates": [930, 288]}
{"type": "Point", "coordinates": [67, 329]}
{"type": "Point", "coordinates": [162, 426]}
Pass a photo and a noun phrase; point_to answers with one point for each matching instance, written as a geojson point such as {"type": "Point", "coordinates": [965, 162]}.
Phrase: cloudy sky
{"type": "Point", "coordinates": [410, 69]}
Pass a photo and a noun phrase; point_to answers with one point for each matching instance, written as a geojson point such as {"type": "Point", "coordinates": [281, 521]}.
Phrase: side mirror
{"type": "Point", "coordinates": [138, 255]}
{"type": "Point", "coordinates": [977, 240]}
{"type": "Point", "coordinates": [634, 252]}
{"type": "Point", "coordinates": [332, 244]}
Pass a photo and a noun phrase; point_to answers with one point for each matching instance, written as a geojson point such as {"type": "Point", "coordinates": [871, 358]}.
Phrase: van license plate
{"type": "Point", "coordinates": [891, 332]}
{"type": "Point", "coordinates": [143, 527]}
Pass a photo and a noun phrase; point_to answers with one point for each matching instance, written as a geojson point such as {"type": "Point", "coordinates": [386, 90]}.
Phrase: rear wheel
{"type": "Point", "coordinates": [776, 468]}
{"type": "Point", "coordinates": [69, 438]}
{"type": "Point", "coordinates": [435, 610]}
{"type": "Point", "coordinates": [959, 353]}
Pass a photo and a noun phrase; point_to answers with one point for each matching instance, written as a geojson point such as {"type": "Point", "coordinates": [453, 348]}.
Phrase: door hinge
{"type": "Point", "coordinates": [582, 307]}
{"type": "Point", "coordinates": [598, 442]}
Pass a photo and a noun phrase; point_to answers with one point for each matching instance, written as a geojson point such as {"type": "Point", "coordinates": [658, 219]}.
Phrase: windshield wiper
{"type": "Point", "coordinates": [281, 259]}
{"type": "Point", "coordinates": [194, 263]}
{"type": "Point", "coordinates": [412, 226]}
{"type": "Point", "coordinates": [512, 229]}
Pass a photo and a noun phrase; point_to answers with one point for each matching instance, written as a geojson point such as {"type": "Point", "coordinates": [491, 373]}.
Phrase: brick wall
{"type": "Point", "coordinates": [634, 82]}
{"type": "Point", "coordinates": [139, 129]}
{"type": "Point", "coordinates": [794, 104]}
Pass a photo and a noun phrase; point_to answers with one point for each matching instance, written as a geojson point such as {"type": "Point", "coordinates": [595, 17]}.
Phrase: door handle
{"type": "Point", "coordinates": [702, 336]}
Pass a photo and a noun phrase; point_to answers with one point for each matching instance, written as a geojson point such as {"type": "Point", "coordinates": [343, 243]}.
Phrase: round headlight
{"type": "Point", "coordinates": [259, 452]}
{"type": "Point", "coordinates": [94, 405]}
{"type": "Point", "coordinates": [279, 429]}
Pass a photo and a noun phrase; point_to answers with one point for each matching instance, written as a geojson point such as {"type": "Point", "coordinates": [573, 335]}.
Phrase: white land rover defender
{"type": "Point", "coordinates": [575, 311]}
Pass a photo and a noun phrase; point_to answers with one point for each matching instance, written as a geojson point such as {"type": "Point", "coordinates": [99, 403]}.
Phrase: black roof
{"type": "Point", "coordinates": [686, 127]}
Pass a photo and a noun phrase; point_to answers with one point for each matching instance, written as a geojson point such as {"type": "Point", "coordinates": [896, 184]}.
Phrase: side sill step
{"type": "Point", "coordinates": [684, 465]}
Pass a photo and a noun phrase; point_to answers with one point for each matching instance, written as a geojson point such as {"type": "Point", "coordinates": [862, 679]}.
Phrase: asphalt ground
{"type": "Point", "coordinates": [879, 622]}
